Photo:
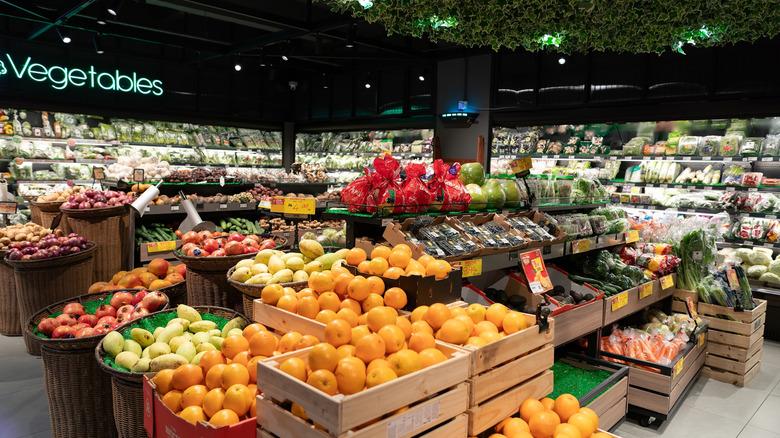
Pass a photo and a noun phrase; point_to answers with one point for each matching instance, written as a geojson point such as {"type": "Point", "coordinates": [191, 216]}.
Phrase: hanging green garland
{"type": "Point", "coordinates": [637, 26]}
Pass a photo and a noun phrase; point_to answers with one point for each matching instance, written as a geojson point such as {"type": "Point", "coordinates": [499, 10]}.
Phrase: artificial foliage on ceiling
{"type": "Point", "coordinates": [638, 26]}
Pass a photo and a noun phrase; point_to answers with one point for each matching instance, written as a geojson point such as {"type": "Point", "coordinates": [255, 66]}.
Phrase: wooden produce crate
{"type": "Point", "coordinates": [424, 291]}
{"type": "Point", "coordinates": [625, 303]}
{"type": "Point", "coordinates": [575, 321]}
{"type": "Point", "coordinates": [341, 413]}
{"type": "Point", "coordinates": [498, 379]}
{"type": "Point", "coordinates": [678, 300]}
{"type": "Point", "coordinates": [490, 412]}
{"type": "Point", "coordinates": [280, 319]}
{"type": "Point", "coordinates": [453, 428]}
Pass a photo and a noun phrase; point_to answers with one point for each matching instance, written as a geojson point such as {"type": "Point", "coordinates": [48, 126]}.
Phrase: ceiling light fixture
{"type": "Point", "coordinates": [98, 45]}
{"type": "Point", "coordinates": [324, 81]}
{"type": "Point", "coordinates": [262, 60]}
{"type": "Point", "coordinates": [102, 18]}
{"type": "Point", "coordinates": [561, 60]}
{"type": "Point", "coordinates": [350, 37]}
{"type": "Point", "coordinates": [114, 6]}
{"type": "Point", "coordinates": [285, 58]}
{"type": "Point", "coordinates": [237, 63]}
{"type": "Point", "coordinates": [368, 81]}
{"type": "Point", "coordinates": [422, 76]}
{"type": "Point", "coordinates": [63, 36]}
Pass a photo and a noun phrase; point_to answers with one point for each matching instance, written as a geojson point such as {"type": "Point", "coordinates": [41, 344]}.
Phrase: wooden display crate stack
{"type": "Point", "coordinates": [734, 350]}
{"type": "Point", "coordinates": [678, 300]}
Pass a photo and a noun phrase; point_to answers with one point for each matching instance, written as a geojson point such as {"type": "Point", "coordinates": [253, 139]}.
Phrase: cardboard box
{"type": "Point", "coordinates": [395, 235]}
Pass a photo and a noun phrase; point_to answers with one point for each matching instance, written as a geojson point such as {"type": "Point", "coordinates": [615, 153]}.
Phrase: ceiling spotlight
{"type": "Point", "coordinates": [421, 78]}
{"type": "Point", "coordinates": [350, 37]}
{"type": "Point", "coordinates": [324, 81]}
{"type": "Point", "coordinates": [102, 18]}
{"type": "Point", "coordinates": [368, 81]}
{"type": "Point", "coordinates": [63, 36]}
{"type": "Point", "coordinates": [113, 6]}
{"type": "Point", "coordinates": [561, 60]}
{"type": "Point", "coordinates": [262, 60]}
{"type": "Point", "coordinates": [285, 58]}
{"type": "Point", "coordinates": [237, 66]}
{"type": "Point", "coordinates": [98, 46]}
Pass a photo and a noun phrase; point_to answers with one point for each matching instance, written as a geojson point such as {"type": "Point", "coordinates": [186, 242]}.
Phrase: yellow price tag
{"type": "Point", "coordinates": [678, 367]}
{"type": "Point", "coordinates": [667, 281]}
{"type": "Point", "coordinates": [299, 205]}
{"type": "Point", "coordinates": [632, 236]}
{"type": "Point", "coordinates": [619, 301]}
{"type": "Point", "coordinates": [645, 290]}
{"type": "Point", "coordinates": [469, 268]}
{"type": "Point", "coordinates": [578, 246]}
{"type": "Point", "coordinates": [277, 204]}
{"type": "Point", "coordinates": [521, 165]}
{"type": "Point", "coordinates": [153, 247]}
{"type": "Point", "coordinates": [700, 340]}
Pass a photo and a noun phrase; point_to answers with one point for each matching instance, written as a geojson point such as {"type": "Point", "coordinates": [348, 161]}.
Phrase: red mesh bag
{"type": "Point", "coordinates": [387, 196]}
{"type": "Point", "coordinates": [356, 194]}
{"type": "Point", "coordinates": [454, 192]}
{"type": "Point", "coordinates": [418, 196]}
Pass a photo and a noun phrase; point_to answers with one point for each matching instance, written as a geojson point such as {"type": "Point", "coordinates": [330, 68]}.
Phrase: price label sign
{"type": "Point", "coordinates": [632, 236]}
{"type": "Point", "coordinates": [700, 340]}
{"type": "Point", "coordinates": [304, 206]}
{"type": "Point", "coordinates": [731, 274]}
{"type": "Point", "coordinates": [521, 166]}
{"type": "Point", "coordinates": [645, 290]}
{"type": "Point", "coordinates": [98, 173]}
{"type": "Point", "coordinates": [678, 367]}
{"type": "Point", "coordinates": [535, 271]}
{"type": "Point", "coordinates": [138, 175]}
{"type": "Point", "coordinates": [469, 268]}
{"type": "Point", "coordinates": [619, 301]}
{"type": "Point", "coordinates": [8, 207]}
{"type": "Point", "coordinates": [277, 204]}
{"type": "Point", "coordinates": [154, 247]}
{"type": "Point", "coordinates": [265, 203]}
{"type": "Point", "coordinates": [667, 281]}
{"type": "Point", "coordinates": [578, 246]}
{"type": "Point", "coordinates": [691, 306]}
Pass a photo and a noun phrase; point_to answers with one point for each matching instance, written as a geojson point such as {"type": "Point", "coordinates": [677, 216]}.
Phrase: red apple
{"type": "Point", "coordinates": [47, 326]}
{"type": "Point", "coordinates": [153, 301]}
{"type": "Point", "coordinates": [139, 297]}
{"type": "Point", "coordinates": [234, 248]}
{"type": "Point", "coordinates": [102, 329]}
{"type": "Point", "coordinates": [190, 237]}
{"type": "Point", "coordinates": [62, 332]}
{"type": "Point", "coordinates": [88, 331]}
{"type": "Point", "coordinates": [235, 237]}
{"type": "Point", "coordinates": [75, 310]}
{"type": "Point", "coordinates": [106, 320]}
{"type": "Point", "coordinates": [90, 320]}
{"type": "Point", "coordinates": [105, 310]}
{"type": "Point", "coordinates": [121, 298]}
{"type": "Point", "coordinates": [65, 319]}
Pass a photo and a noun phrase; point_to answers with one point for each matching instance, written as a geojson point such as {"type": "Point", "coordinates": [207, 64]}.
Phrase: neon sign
{"type": "Point", "coordinates": [61, 78]}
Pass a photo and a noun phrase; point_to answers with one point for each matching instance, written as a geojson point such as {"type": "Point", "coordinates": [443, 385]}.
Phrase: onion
{"type": "Point", "coordinates": [91, 193]}
{"type": "Point", "coordinates": [26, 257]}
{"type": "Point", "coordinates": [15, 255]}
{"type": "Point", "coordinates": [54, 249]}
{"type": "Point", "coordinates": [38, 256]}
{"type": "Point", "coordinates": [84, 206]}
{"type": "Point", "coordinates": [14, 246]}
{"type": "Point", "coordinates": [99, 198]}
{"type": "Point", "coordinates": [82, 240]}
{"type": "Point", "coordinates": [79, 198]}
{"type": "Point", "coordinates": [69, 205]}
{"type": "Point", "coordinates": [110, 194]}
{"type": "Point", "coordinates": [25, 244]}
{"type": "Point", "coordinates": [99, 205]}
{"type": "Point", "coordinates": [74, 249]}
{"type": "Point", "coordinates": [29, 250]}
{"type": "Point", "coordinates": [73, 235]}
{"type": "Point", "coordinates": [113, 201]}
{"type": "Point", "coordinates": [72, 241]}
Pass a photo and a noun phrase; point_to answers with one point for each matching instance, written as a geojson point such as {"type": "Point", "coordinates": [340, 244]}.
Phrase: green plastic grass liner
{"type": "Point", "coordinates": [89, 307]}
{"type": "Point", "coordinates": [569, 379]}
{"type": "Point", "coordinates": [161, 320]}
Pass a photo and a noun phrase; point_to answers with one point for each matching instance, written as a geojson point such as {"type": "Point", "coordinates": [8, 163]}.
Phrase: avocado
{"type": "Point", "coordinates": [589, 297]}
{"type": "Point", "coordinates": [576, 295]}
{"type": "Point", "coordinates": [490, 293]}
{"type": "Point", "coordinates": [501, 297]}
{"type": "Point", "coordinates": [517, 302]}
{"type": "Point", "coordinates": [559, 290]}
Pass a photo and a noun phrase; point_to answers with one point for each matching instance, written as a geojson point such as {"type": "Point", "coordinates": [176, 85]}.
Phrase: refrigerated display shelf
{"type": "Point", "coordinates": [636, 157]}
{"type": "Point", "coordinates": [727, 188]}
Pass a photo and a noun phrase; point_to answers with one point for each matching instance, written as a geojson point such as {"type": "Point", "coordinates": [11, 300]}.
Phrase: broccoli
{"type": "Point", "coordinates": [635, 274]}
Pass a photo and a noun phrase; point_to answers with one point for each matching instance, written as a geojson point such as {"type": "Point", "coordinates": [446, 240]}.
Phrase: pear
{"type": "Point", "coordinates": [246, 263]}
{"type": "Point", "coordinates": [143, 337]}
{"type": "Point", "coordinates": [204, 346]}
{"type": "Point", "coordinates": [126, 359]}
{"type": "Point", "coordinates": [263, 256]}
{"type": "Point", "coordinates": [235, 331]}
{"type": "Point", "coordinates": [202, 326]}
{"type": "Point", "coordinates": [216, 341]}
{"type": "Point", "coordinates": [170, 332]}
{"type": "Point", "coordinates": [295, 263]}
{"type": "Point", "coordinates": [259, 279]}
{"type": "Point", "coordinates": [113, 343]}
{"type": "Point", "coordinates": [234, 323]}
{"type": "Point", "coordinates": [188, 313]}
{"type": "Point", "coordinates": [275, 264]}
{"type": "Point", "coordinates": [177, 342]}
{"type": "Point", "coordinates": [259, 268]}
{"type": "Point", "coordinates": [196, 359]}
{"type": "Point", "coordinates": [158, 349]}
{"type": "Point", "coordinates": [311, 248]}
{"type": "Point", "coordinates": [185, 323]}
{"type": "Point", "coordinates": [241, 274]}
{"type": "Point", "coordinates": [314, 266]}
{"type": "Point", "coordinates": [132, 346]}
{"type": "Point", "coordinates": [201, 337]}
{"type": "Point", "coordinates": [187, 350]}
{"type": "Point", "coordinates": [300, 276]}
{"type": "Point", "coordinates": [141, 366]}
{"type": "Point", "coordinates": [169, 361]}
{"type": "Point", "coordinates": [145, 354]}
{"type": "Point", "coordinates": [289, 255]}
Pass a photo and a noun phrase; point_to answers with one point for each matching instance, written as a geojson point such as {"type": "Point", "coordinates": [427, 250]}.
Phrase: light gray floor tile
{"type": "Point", "coordinates": [708, 395]}
{"type": "Point", "coordinates": [754, 432]}
{"type": "Point", "coordinates": [25, 413]}
{"type": "Point", "coordinates": [42, 434]}
{"type": "Point", "coordinates": [685, 423]}
{"type": "Point", "coordinates": [12, 348]}
{"type": "Point", "coordinates": [771, 353]}
{"type": "Point", "coordinates": [767, 415]}
{"type": "Point", "coordinates": [22, 373]}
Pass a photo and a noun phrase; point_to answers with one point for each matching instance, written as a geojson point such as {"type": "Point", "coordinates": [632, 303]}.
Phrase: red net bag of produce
{"type": "Point", "coordinates": [356, 194]}
{"type": "Point", "coordinates": [418, 196]}
{"type": "Point", "coordinates": [447, 188]}
{"type": "Point", "coordinates": [387, 196]}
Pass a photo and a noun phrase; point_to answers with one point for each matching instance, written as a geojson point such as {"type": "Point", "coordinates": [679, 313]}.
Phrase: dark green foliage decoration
{"type": "Point", "coordinates": [568, 26]}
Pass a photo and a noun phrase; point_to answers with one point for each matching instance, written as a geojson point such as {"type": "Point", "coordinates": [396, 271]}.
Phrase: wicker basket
{"type": "Point", "coordinates": [35, 213]}
{"type": "Point", "coordinates": [47, 218]}
{"type": "Point", "coordinates": [40, 283]}
{"type": "Point", "coordinates": [108, 228]}
{"type": "Point", "coordinates": [128, 390]}
{"type": "Point", "coordinates": [177, 293]}
{"type": "Point", "coordinates": [10, 324]}
{"type": "Point", "coordinates": [48, 206]}
{"type": "Point", "coordinates": [116, 210]}
{"type": "Point", "coordinates": [212, 289]}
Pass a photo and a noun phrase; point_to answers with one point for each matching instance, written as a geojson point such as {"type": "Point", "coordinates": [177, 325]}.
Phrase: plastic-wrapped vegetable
{"type": "Point", "coordinates": [709, 145]}
{"type": "Point", "coordinates": [732, 176]}
{"type": "Point", "coordinates": [636, 145]}
{"type": "Point", "coordinates": [688, 146]}
{"type": "Point", "coordinates": [617, 226]}
{"type": "Point", "coordinates": [751, 146]}
{"type": "Point", "coordinates": [729, 146]}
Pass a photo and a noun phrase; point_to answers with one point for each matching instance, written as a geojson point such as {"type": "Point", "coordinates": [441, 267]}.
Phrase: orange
{"type": "Point", "coordinates": [329, 301]}
{"type": "Point", "coordinates": [337, 271]}
{"type": "Point", "coordinates": [415, 268]}
{"type": "Point", "coordinates": [529, 407]}
{"type": "Point", "coordinates": [514, 322]}
{"type": "Point", "coordinates": [438, 268]}
{"type": "Point", "coordinates": [593, 416]}
{"type": "Point", "coordinates": [373, 300]}
{"type": "Point", "coordinates": [370, 347]}
{"type": "Point", "coordinates": [484, 326]}
{"type": "Point", "coordinates": [495, 314]}
{"type": "Point", "coordinates": [305, 292]}
{"type": "Point", "coordinates": [425, 259]}
{"type": "Point", "coordinates": [405, 362]}
{"type": "Point", "coordinates": [163, 380]}
{"type": "Point", "coordinates": [251, 329]}
{"type": "Point", "coordinates": [394, 338]}
{"type": "Point", "coordinates": [288, 303]}
{"type": "Point", "coordinates": [543, 424]}
{"type": "Point", "coordinates": [421, 326]}
{"type": "Point", "coordinates": [403, 248]}
{"type": "Point", "coordinates": [325, 316]}
{"type": "Point", "coordinates": [358, 288]}
{"type": "Point", "coordinates": [320, 282]}
{"type": "Point", "coordinates": [234, 374]}
{"type": "Point", "coordinates": [193, 396]}
{"type": "Point", "coordinates": [393, 273]}
{"type": "Point", "coordinates": [338, 332]}
{"type": "Point", "coordinates": [186, 376]}
{"type": "Point", "coordinates": [242, 358]}
{"type": "Point", "coordinates": [193, 414]}
{"type": "Point", "coordinates": [514, 426]}
{"type": "Point", "coordinates": [323, 356]}
{"type": "Point", "coordinates": [378, 266]}
{"type": "Point", "coordinates": [355, 256]}
{"type": "Point", "coordinates": [584, 423]}
{"type": "Point", "coordinates": [271, 294]}
{"type": "Point", "coordinates": [457, 311]}
{"type": "Point", "coordinates": [298, 411]}
{"type": "Point", "coordinates": [476, 312]}
{"type": "Point", "coordinates": [306, 341]}
{"type": "Point", "coordinates": [324, 380]}
{"type": "Point", "coordinates": [399, 259]}
{"type": "Point", "coordinates": [430, 357]}
{"type": "Point", "coordinates": [379, 317]}
{"type": "Point", "coordinates": [224, 417]}
{"type": "Point", "coordinates": [363, 319]}
{"type": "Point", "coordinates": [234, 344]}
{"type": "Point", "coordinates": [341, 283]}
{"type": "Point", "coordinates": [237, 399]}
{"type": "Point", "coordinates": [380, 251]}
{"type": "Point", "coordinates": [376, 285]}
{"type": "Point", "coordinates": [287, 342]}
{"type": "Point", "coordinates": [354, 305]}
{"type": "Point", "coordinates": [454, 331]}
{"type": "Point", "coordinates": [500, 426]}
{"type": "Point", "coordinates": [548, 403]}
{"type": "Point", "coordinates": [263, 344]}
{"type": "Point", "coordinates": [566, 405]}
{"type": "Point", "coordinates": [404, 325]}
{"type": "Point", "coordinates": [308, 307]}
{"type": "Point", "coordinates": [348, 315]}
{"type": "Point", "coordinates": [420, 341]}
{"type": "Point", "coordinates": [351, 375]}
{"type": "Point", "coordinates": [601, 435]}
{"type": "Point", "coordinates": [294, 366]}
{"type": "Point", "coordinates": [489, 337]}
{"type": "Point", "coordinates": [476, 341]}
{"type": "Point", "coordinates": [212, 402]}
{"type": "Point", "coordinates": [363, 266]}
{"type": "Point", "coordinates": [214, 376]}
{"type": "Point", "coordinates": [436, 315]}
{"type": "Point", "coordinates": [419, 313]}
{"type": "Point", "coordinates": [358, 332]}
{"type": "Point", "coordinates": [251, 366]}
{"type": "Point", "coordinates": [569, 430]}
{"type": "Point", "coordinates": [376, 363]}
{"type": "Point", "coordinates": [379, 375]}
{"type": "Point", "coordinates": [395, 297]}
{"type": "Point", "coordinates": [345, 351]}
{"type": "Point", "coordinates": [172, 399]}
{"type": "Point", "coordinates": [465, 319]}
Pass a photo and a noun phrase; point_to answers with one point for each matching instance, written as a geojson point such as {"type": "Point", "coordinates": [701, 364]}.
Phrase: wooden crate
{"type": "Point", "coordinates": [608, 399]}
{"type": "Point", "coordinates": [706, 309]}
{"type": "Point", "coordinates": [732, 352]}
{"type": "Point", "coordinates": [736, 340]}
{"type": "Point", "coordinates": [678, 301]}
{"type": "Point", "coordinates": [492, 411]}
{"type": "Point", "coordinates": [341, 413]}
{"type": "Point", "coordinates": [731, 365]}
{"type": "Point", "coordinates": [729, 377]}
{"type": "Point", "coordinates": [738, 327]}
{"type": "Point", "coordinates": [501, 378]}
{"type": "Point", "coordinates": [454, 428]}
{"type": "Point", "coordinates": [421, 417]}
{"type": "Point", "coordinates": [272, 316]}
{"type": "Point", "coordinates": [614, 309]}
{"type": "Point", "coordinates": [579, 321]}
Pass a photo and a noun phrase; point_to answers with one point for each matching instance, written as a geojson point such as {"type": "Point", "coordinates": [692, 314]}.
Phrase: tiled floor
{"type": "Point", "coordinates": [712, 409]}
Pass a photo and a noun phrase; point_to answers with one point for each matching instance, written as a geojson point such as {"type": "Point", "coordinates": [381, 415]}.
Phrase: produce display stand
{"type": "Point", "coordinates": [10, 323]}
{"type": "Point", "coordinates": [635, 299]}
{"type": "Point", "coordinates": [207, 281]}
{"type": "Point", "coordinates": [109, 228]}
{"type": "Point", "coordinates": [678, 300]}
{"type": "Point", "coordinates": [735, 346]}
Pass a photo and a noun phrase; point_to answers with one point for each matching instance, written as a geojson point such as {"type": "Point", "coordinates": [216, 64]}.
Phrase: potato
{"type": "Point", "coordinates": [35, 239]}
{"type": "Point", "coordinates": [5, 241]}
{"type": "Point", "coordinates": [19, 237]}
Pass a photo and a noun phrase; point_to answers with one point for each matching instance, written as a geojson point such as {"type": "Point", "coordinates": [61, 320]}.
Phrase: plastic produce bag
{"type": "Point", "coordinates": [387, 196]}
{"type": "Point", "coordinates": [729, 146]}
{"type": "Point", "coordinates": [688, 146]}
{"type": "Point", "coordinates": [771, 146]}
{"type": "Point", "coordinates": [750, 146]}
{"type": "Point", "coordinates": [355, 195]}
{"type": "Point", "coordinates": [448, 190]}
{"type": "Point", "coordinates": [709, 145]}
{"type": "Point", "coordinates": [418, 196]}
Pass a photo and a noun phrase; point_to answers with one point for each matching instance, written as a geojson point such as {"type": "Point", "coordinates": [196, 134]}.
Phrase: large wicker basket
{"type": "Point", "coordinates": [109, 228]}
{"type": "Point", "coordinates": [206, 284]}
{"type": "Point", "coordinates": [10, 324]}
{"type": "Point", "coordinates": [177, 293]}
{"type": "Point", "coordinates": [52, 206]}
{"type": "Point", "coordinates": [128, 390]}
{"type": "Point", "coordinates": [251, 292]}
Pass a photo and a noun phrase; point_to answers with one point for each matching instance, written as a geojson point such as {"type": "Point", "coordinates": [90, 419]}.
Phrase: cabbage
{"type": "Point", "coordinates": [767, 251]}
{"type": "Point", "coordinates": [743, 253]}
{"type": "Point", "coordinates": [756, 271]}
{"type": "Point", "coordinates": [778, 257]}
{"type": "Point", "coordinates": [770, 277]}
{"type": "Point", "coordinates": [774, 267]}
{"type": "Point", "coordinates": [759, 258]}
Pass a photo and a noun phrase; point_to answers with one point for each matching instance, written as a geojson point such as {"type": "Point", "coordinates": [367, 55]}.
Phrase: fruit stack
{"type": "Point", "coordinates": [158, 274]}
{"type": "Point", "coordinates": [548, 418]}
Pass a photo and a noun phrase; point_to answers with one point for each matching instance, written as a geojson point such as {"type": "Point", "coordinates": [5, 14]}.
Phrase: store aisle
{"type": "Point", "coordinates": [712, 409]}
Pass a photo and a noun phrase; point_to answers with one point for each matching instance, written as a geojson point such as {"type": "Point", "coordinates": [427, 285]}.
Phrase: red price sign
{"type": "Point", "coordinates": [535, 271]}
{"type": "Point", "coordinates": [521, 165]}
{"type": "Point", "coordinates": [277, 204]}
{"type": "Point", "coordinates": [691, 307]}
{"type": "Point", "coordinates": [732, 276]}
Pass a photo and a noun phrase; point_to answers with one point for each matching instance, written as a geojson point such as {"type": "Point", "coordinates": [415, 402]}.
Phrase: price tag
{"type": "Point", "coordinates": [138, 175]}
{"type": "Point", "coordinates": [299, 205]}
{"type": "Point", "coordinates": [689, 304]}
{"type": "Point", "coordinates": [535, 271]}
{"type": "Point", "coordinates": [241, 205]}
{"type": "Point", "coordinates": [619, 301]}
{"type": "Point", "coordinates": [678, 367]}
{"type": "Point", "coordinates": [753, 189]}
{"type": "Point", "coordinates": [222, 205]}
{"type": "Point", "coordinates": [766, 159]}
{"type": "Point", "coordinates": [632, 236]}
{"type": "Point", "coordinates": [174, 208]}
{"type": "Point", "coordinates": [697, 255]}
{"type": "Point", "coordinates": [578, 246]}
{"type": "Point", "coordinates": [645, 290]}
{"type": "Point", "coordinates": [700, 340]}
{"type": "Point", "coordinates": [663, 186]}
{"type": "Point", "coordinates": [154, 247]}
{"type": "Point", "coordinates": [521, 165]}
{"type": "Point", "coordinates": [686, 158]}
{"type": "Point", "coordinates": [469, 268]}
{"type": "Point", "coordinates": [706, 158]}
{"type": "Point", "coordinates": [277, 204]}
{"type": "Point", "coordinates": [727, 159]}
{"type": "Point", "coordinates": [731, 274]}
{"type": "Point", "coordinates": [730, 189]}
{"type": "Point", "coordinates": [98, 174]}
{"type": "Point", "coordinates": [645, 158]}
{"type": "Point", "coordinates": [265, 203]}
{"type": "Point", "coordinates": [666, 282]}
{"type": "Point", "coordinates": [658, 158]}
{"type": "Point", "coordinates": [770, 216]}
{"type": "Point", "coordinates": [8, 207]}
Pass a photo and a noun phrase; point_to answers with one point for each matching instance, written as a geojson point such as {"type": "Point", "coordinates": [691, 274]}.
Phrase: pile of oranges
{"type": "Point", "coordinates": [475, 325]}
{"type": "Point", "coordinates": [548, 418]}
{"type": "Point", "coordinates": [222, 387]}
{"type": "Point", "coordinates": [397, 262]}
